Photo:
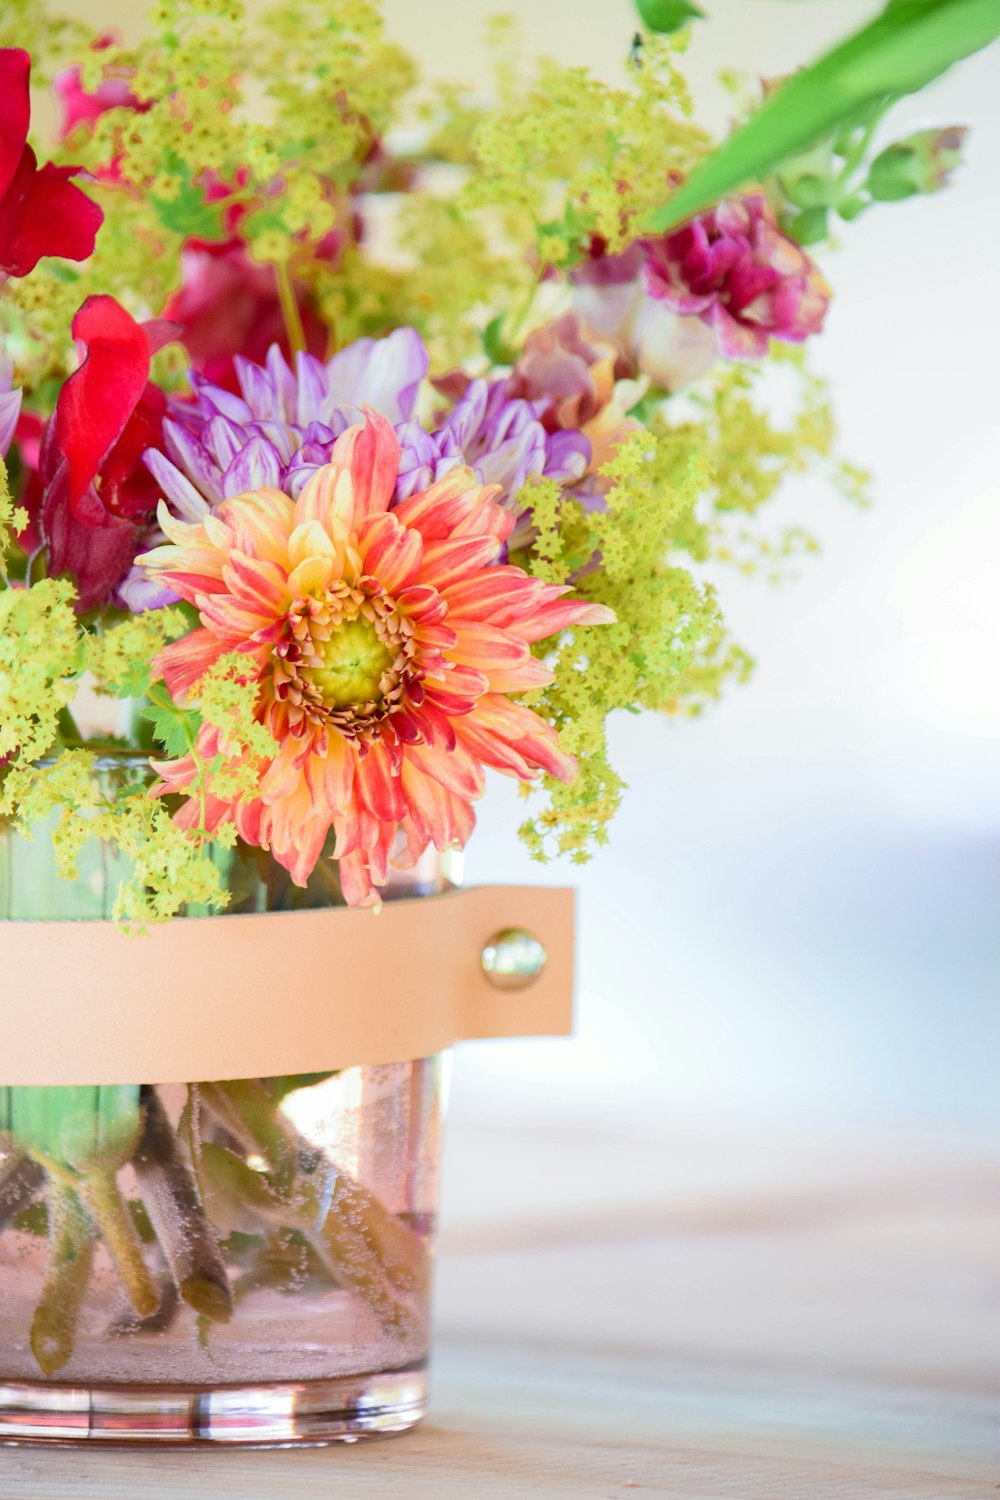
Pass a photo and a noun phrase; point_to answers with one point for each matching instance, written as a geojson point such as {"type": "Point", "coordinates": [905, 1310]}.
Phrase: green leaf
{"type": "Point", "coordinates": [667, 15]}
{"type": "Point", "coordinates": [187, 212]}
{"type": "Point", "coordinates": [901, 51]}
{"type": "Point", "coordinates": [175, 728]}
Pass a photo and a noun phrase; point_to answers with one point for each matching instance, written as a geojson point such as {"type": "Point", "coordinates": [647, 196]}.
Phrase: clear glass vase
{"type": "Point", "coordinates": [245, 1261]}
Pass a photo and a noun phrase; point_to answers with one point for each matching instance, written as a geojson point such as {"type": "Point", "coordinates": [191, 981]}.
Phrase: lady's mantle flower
{"type": "Point", "coordinates": [735, 269]}
{"type": "Point", "coordinates": [41, 211]}
{"type": "Point", "coordinates": [383, 644]}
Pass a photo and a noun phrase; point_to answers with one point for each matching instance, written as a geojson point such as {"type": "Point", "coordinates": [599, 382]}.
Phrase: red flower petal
{"type": "Point", "coordinates": [15, 111]}
{"type": "Point", "coordinates": [44, 213]}
{"type": "Point", "coordinates": [98, 400]}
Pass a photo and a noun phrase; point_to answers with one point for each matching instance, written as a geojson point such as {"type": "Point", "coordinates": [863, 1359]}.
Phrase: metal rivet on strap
{"type": "Point", "coordinates": [513, 959]}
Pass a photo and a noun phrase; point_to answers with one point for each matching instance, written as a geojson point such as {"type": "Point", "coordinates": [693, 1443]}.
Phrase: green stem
{"type": "Point", "coordinates": [119, 1233]}
{"type": "Point", "coordinates": [20, 1180]}
{"type": "Point", "coordinates": [71, 1257]}
{"type": "Point", "coordinates": [289, 308]}
{"type": "Point", "coordinates": [171, 1197]}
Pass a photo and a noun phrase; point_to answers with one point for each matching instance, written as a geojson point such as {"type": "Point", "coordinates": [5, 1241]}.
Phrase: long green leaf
{"type": "Point", "coordinates": [901, 51]}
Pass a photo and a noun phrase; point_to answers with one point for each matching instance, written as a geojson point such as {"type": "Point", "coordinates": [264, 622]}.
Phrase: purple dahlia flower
{"type": "Point", "coordinates": [283, 425]}
{"type": "Point", "coordinates": [10, 404]}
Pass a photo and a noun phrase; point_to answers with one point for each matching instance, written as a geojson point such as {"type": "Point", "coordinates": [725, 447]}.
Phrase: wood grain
{"type": "Point", "coordinates": [698, 1320]}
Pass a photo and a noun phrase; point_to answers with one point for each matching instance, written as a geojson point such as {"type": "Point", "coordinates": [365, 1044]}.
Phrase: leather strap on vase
{"type": "Point", "coordinates": [256, 996]}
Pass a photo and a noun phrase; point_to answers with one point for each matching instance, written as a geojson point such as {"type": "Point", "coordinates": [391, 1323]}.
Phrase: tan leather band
{"type": "Point", "coordinates": [256, 996]}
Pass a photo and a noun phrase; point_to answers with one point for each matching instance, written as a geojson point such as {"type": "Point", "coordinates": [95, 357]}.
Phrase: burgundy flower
{"type": "Point", "coordinates": [97, 496]}
{"type": "Point", "coordinates": [41, 211]}
{"type": "Point", "coordinates": [735, 269]}
{"type": "Point", "coordinates": [228, 305]}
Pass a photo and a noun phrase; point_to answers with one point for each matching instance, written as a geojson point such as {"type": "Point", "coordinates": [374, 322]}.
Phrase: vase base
{"type": "Point", "coordinates": [312, 1412]}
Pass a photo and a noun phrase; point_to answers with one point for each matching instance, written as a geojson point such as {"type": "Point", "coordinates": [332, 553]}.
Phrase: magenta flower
{"type": "Point", "coordinates": [735, 269]}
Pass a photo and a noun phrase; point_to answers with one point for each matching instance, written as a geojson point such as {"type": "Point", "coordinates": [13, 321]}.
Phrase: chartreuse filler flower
{"type": "Point", "coordinates": [362, 439]}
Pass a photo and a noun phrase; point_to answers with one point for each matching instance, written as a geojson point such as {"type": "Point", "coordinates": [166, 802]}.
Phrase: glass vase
{"type": "Point", "coordinates": [244, 1261]}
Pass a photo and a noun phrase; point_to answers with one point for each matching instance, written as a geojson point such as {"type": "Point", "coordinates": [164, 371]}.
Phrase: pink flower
{"type": "Point", "coordinates": [42, 212]}
{"type": "Point", "coordinates": [384, 644]}
{"type": "Point", "coordinates": [570, 379]}
{"type": "Point", "coordinates": [81, 107]}
{"type": "Point", "coordinates": [611, 299]}
{"type": "Point", "coordinates": [735, 269]}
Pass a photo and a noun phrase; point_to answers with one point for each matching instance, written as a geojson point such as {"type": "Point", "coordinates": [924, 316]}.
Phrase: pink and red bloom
{"type": "Point", "coordinates": [42, 212]}
{"type": "Point", "coordinates": [97, 497]}
{"type": "Point", "coordinates": [734, 268]}
{"type": "Point", "coordinates": [384, 645]}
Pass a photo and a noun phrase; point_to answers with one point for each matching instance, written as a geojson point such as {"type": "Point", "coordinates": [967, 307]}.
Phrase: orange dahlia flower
{"type": "Point", "coordinates": [384, 644]}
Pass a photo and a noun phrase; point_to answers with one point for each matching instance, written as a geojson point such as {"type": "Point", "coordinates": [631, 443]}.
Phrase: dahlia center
{"type": "Point", "coordinates": [354, 661]}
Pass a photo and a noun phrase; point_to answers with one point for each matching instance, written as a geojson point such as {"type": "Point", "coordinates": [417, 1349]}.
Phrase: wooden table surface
{"type": "Point", "coordinates": [685, 1316]}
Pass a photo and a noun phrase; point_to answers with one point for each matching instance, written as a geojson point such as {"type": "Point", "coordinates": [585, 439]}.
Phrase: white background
{"type": "Point", "coordinates": [796, 918]}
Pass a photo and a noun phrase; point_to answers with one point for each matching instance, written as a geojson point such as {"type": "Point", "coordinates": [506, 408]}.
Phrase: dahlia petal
{"type": "Point", "coordinates": [253, 381]}
{"type": "Point", "coordinates": [10, 410]}
{"type": "Point", "coordinates": [441, 818]}
{"type": "Point", "coordinates": [307, 540]}
{"type": "Point", "coordinates": [533, 738]}
{"type": "Point", "coordinates": [371, 455]}
{"type": "Point", "coordinates": [313, 387]}
{"type": "Point", "coordinates": [490, 749]}
{"type": "Point", "coordinates": [446, 562]}
{"type": "Point", "coordinates": [460, 771]}
{"type": "Point", "coordinates": [138, 593]}
{"type": "Point", "coordinates": [328, 498]}
{"type": "Point", "coordinates": [223, 440]}
{"type": "Point", "coordinates": [257, 582]}
{"type": "Point", "coordinates": [421, 602]}
{"type": "Point", "coordinates": [439, 510]}
{"type": "Point", "coordinates": [382, 373]}
{"type": "Point", "coordinates": [560, 614]}
{"type": "Point", "coordinates": [501, 594]}
{"type": "Point", "coordinates": [484, 647]}
{"type": "Point", "coordinates": [311, 576]}
{"type": "Point", "coordinates": [523, 678]}
{"type": "Point", "coordinates": [184, 663]}
{"type": "Point", "coordinates": [192, 459]}
{"type": "Point", "coordinates": [389, 551]}
{"type": "Point", "coordinates": [356, 881]}
{"type": "Point", "coordinates": [301, 857]}
{"type": "Point", "coordinates": [283, 383]}
{"type": "Point", "coordinates": [234, 621]}
{"type": "Point", "coordinates": [185, 499]}
{"type": "Point", "coordinates": [261, 524]}
{"type": "Point", "coordinates": [254, 466]}
{"type": "Point", "coordinates": [379, 790]}
{"type": "Point", "coordinates": [338, 774]}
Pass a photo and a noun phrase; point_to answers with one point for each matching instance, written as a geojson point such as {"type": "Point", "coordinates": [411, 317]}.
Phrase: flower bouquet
{"type": "Point", "coordinates": [360, 440]}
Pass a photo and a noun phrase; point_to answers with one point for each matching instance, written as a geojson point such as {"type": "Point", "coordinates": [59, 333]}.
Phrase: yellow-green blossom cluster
{"type": "Point", "coordinates": [575, 156]}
